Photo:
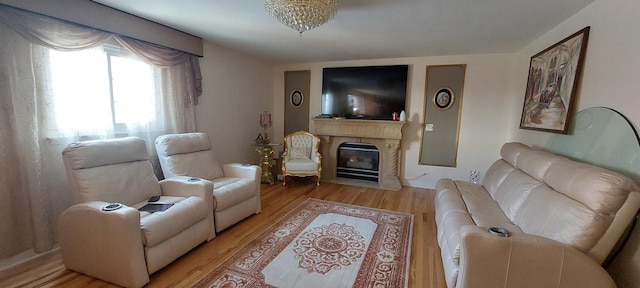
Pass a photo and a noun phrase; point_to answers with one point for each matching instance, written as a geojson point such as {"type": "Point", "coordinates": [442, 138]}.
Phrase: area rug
{"type": "Point", "coordinates": [323, 244]}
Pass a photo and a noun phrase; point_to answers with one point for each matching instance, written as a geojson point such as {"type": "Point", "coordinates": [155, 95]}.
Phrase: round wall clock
{"type": "Point", "coordinates": [297, 98]}
{"type": "Point", "coordinates": [443, 99]}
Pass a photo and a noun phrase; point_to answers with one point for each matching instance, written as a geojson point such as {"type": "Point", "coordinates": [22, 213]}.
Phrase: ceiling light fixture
{"type": "Point", "coordinates": [302, 15]}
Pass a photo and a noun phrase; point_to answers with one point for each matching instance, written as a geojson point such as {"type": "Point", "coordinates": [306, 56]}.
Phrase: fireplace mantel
{"type": "Point", "coordinates": [385, 135]}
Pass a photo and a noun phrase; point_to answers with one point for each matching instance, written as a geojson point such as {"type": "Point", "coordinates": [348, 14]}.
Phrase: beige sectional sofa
{"type": "Point", "coordinates": [563, 218]}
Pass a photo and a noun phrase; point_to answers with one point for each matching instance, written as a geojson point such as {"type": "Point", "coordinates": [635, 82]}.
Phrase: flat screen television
{"type": "Point", "coordinates": [371, 92]}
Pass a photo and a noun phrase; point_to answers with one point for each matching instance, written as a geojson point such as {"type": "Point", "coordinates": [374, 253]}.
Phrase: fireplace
{"type": "Point", "coordinates": [385, 136]}
{"type": "Point", "coordinates": [358, 161]}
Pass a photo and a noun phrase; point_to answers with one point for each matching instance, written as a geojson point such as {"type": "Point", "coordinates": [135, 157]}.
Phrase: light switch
{"type": "Point", "coordinates": [428, 127]}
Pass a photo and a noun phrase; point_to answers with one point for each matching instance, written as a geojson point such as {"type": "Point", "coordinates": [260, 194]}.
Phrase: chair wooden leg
{"type": "Point", "coordinates": [284, 180]}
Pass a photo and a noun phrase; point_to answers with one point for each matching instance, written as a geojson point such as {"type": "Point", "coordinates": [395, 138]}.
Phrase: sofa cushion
{"type": "Point", "coordinates": [536, 162]}
{"type": "Point", "coordinates": [136, 183]}
{"type": "Point", "coordinates": [182, 143]}
{"type": "Point", "coordinates": [229, 191]}
{"type": "Point", "coordinates": [484, 211]}
{"type": "Point", "coordinates": [495, 175]}
{"type": "Point", "coordinates": [299, 152]}
{"type": "Point", "coordinates": [87, 163]}
{"type": "Point", "coordinates": [607, 190]}
{"type": "Point", "coordinates": [201, 164]}
{"type": "Point", "coordinates": [301, 165]}
{"type": "Point", "coordinates": [513, 191]}
{"type": "Point", "coordinates": [187, 154]}
{"type": "Point", "coordinates": [553, 215]}
{"type": "Point", "coordinates": [88, 154]}
{"type": "Point", "coordinates": [461, 203]}
{"type": "Point", "coordinates": [159, 226]}
{"type": "Point", "coordinates": [510, 152]}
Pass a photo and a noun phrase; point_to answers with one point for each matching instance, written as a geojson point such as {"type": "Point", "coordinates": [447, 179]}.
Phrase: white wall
{"type": "Point", "coordinates": [611, 75]}
{"type": "Point", "coordinates": [236, 88]}
{"type": "Point", "coordinates": [611, 79]}
{"type": "Point", "coordinates": [495, 85]}
{"type": "Point", "coordinates": [484, 122]}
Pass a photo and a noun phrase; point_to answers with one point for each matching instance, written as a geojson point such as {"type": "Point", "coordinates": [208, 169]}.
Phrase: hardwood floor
{"type": "Point", "coordinates": [425, 269]}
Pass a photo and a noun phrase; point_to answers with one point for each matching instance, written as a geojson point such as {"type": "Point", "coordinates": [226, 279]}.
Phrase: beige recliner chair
{"type": "Point", "coordinates": [301, 156]}
{"type": "Point", "coordinates": [124, 245]}
{"type": "Point", "coordinates": [236, 191]}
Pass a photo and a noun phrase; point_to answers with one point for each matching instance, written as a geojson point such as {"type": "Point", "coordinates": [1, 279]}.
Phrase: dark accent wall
{"type": "Point", "coordinates": [296, 118]}
{"type": "Point", "coordinates": [439, 146]}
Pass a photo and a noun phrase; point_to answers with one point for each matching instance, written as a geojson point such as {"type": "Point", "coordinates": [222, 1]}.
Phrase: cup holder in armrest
{"type": "Point", "coordinates": [111, 207]}
{"type": "Point", "coordinates": [499, 231]}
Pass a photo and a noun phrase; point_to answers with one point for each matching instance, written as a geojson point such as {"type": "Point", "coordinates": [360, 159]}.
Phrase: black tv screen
{"type": "Point", "coordinates": [371, 92]}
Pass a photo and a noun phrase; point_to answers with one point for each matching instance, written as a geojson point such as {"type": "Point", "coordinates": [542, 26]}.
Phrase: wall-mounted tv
{"type": "Point", "coordinates": [371, 92]}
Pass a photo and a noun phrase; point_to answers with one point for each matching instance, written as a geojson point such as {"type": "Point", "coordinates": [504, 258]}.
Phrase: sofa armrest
{"type": "Point", "coordinates": [316, 156]}
{"type": "Point", "coordinates": [242, 170]}
{"type": "Point", "coordinates": [185, 186]}
{"type": "Point", "coordinates": [252, 172]}
{"type": "Point", "coordinates": [103, 244]}
{"type": "Point", "coordinates": [524, 260]}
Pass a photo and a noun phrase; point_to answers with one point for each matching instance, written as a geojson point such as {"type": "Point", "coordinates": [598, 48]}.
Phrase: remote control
{"type": "Point", "coordinates": [154, 199]}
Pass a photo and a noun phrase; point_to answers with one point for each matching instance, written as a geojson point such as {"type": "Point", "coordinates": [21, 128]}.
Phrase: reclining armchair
{"type": "Point", "coordinates": [236, 187]}
{"type": "Point", "coordinates": [105, 236]}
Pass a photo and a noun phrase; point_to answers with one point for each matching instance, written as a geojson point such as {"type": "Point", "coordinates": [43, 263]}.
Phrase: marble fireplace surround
{"type": "Point", "coordinates": [385, 135]}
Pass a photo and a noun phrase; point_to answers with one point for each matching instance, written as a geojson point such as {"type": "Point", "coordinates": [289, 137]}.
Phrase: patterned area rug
{"type": "Point", "coordinates": [324, 244]}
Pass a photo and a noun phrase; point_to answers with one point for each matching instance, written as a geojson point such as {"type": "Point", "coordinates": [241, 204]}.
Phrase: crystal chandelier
{"type": "Point", "coordinates": [302, 15]}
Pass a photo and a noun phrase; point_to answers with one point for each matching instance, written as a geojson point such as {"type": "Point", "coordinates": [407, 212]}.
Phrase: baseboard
{"type": "Point", "coordinates": [26, 261]}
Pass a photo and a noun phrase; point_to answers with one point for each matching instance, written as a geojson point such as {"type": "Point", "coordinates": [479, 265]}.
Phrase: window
{"type": "Point", "coordinates": [102, 89]}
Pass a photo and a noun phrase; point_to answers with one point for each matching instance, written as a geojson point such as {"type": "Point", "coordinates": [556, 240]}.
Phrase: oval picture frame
{"type": "Point", "coordinates": [444, 98]}
{"type": "Point", "coordinates": [296, 98]}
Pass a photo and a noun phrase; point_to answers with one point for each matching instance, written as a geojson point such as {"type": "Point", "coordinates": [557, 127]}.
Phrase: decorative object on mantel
{"type": "Point", "coordinates": [323, 244]}
{"type": "Point", "coordinates": [265, 124]}
{"type": "Point", "coordinates": [554, 78]}
{"type": "Point", "coordinates": [302, 15]}
{"type": "Point", "coordinates": [403, 116]}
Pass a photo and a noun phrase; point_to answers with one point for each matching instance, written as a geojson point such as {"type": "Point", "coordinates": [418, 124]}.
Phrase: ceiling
{"type": "Point", "coordinates": [363, 29]}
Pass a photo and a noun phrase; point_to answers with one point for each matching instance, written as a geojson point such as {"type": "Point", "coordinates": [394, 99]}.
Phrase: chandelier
{"type": "Point", "coordinates": [302, 15]}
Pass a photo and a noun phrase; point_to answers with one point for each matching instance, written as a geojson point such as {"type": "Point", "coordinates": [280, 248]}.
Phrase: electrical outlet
{"type": "Point", "coordinates": [474, 176]}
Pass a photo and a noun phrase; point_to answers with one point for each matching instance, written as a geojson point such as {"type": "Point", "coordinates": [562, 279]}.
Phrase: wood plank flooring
{"type": "Point", "coordinates": [425, 268]}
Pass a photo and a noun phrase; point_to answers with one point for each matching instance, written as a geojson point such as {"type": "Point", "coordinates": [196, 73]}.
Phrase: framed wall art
{"type": "Point", "coordinates": [297, 98]}
{"type": "Point", "coordinates": [553, 81]}
{"type": "Point", "coordinates": [444, 98]}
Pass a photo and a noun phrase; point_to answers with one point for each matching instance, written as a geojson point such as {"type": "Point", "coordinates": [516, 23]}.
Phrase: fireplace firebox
{"type": "Point", "coordinates": [358, 161]}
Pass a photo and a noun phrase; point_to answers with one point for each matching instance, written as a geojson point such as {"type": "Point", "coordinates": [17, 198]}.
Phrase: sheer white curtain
{"type": "Point", "coordinates": [39, 116]}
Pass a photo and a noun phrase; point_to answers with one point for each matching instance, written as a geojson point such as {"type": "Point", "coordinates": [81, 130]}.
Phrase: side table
{"type": "Point", "coordinates": [265, 156]}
